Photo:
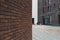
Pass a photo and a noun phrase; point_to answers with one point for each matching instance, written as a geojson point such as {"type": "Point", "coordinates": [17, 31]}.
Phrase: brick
{"type": "Point", "coordinates": [15, 20]}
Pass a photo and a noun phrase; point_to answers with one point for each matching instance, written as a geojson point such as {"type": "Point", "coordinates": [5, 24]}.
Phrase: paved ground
{"type": "Point", "coordinates": [43, 32]}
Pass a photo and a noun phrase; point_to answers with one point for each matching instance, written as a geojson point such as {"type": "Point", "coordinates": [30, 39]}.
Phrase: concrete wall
{"type": "Point", "coordinates": [15, 19]}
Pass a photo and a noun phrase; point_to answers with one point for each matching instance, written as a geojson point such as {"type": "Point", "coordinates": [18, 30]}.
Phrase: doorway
{"type": "Point", "coordinates": [46, 20]}
{"type": "Point", "coordinates": [59, 19]}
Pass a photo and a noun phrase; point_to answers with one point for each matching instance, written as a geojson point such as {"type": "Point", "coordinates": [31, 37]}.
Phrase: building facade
{"type": "Point", "coordinates": [15, 19]}
{"type": "Point", "coordinates": [49, 12]}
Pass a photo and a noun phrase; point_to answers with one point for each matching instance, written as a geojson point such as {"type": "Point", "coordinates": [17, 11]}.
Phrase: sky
{"type": "Point", "coordinates": [34, 10]}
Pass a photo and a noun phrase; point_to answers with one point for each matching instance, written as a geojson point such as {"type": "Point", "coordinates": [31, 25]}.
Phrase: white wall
{"type": "Point", "coordinates": [34, 10]}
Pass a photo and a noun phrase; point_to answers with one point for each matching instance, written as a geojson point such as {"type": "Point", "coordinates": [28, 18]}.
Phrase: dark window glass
{"type": "Point", "coordinates": [49, 8]}
{"type": "Point", "coordinates": [43, 10]}
{"type": "Point", "coordinates": [49, 2]}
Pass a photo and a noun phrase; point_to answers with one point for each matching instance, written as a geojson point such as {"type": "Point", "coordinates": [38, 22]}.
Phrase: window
{"type": "Point", "coordinates": [49, 2]}
{"type": "Point", "coordinates": [58, 6]}
{"type": "Point", "coordinates": [49, 8]}
{"type": "Point", "coordinates": [43, 10]}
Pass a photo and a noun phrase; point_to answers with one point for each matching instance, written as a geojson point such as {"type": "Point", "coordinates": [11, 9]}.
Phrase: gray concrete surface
{"type": "Point", "coordinates": [43, 32]}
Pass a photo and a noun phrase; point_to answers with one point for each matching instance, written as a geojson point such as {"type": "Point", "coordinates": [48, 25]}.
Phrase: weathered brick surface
{"type": "Point", "coordinates": [15, 19]}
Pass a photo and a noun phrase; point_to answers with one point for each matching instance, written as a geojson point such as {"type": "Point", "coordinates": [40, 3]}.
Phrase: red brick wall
{"type": "Point", "coordinates": [15, 19]}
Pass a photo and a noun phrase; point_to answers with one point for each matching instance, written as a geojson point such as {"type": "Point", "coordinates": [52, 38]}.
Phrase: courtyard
{"type": "Point", "coordinates": [44, 32]}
